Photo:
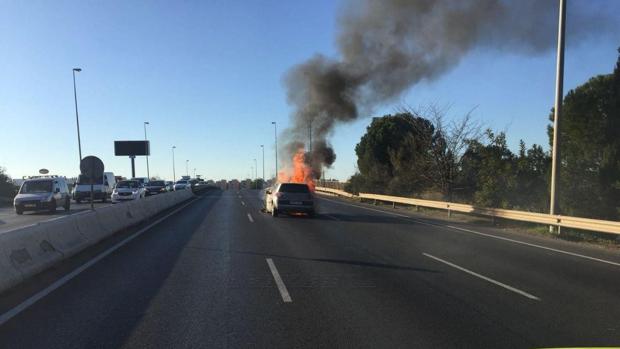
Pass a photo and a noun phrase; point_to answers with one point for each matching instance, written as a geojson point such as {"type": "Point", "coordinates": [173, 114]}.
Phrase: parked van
{"type": "Point", "coordinates": [42, 193]}
{"type": "Point", "coordinates": [102, 189]}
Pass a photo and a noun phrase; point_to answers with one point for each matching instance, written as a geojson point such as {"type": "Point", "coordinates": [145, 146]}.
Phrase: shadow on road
{"type": "Point", "coordinates": [342, 261]}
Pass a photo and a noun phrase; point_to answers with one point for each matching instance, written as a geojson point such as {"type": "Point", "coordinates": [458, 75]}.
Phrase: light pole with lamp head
{"type": "Point", "coordinates": [174, 174]}
{"type": "Point", "coordinates": [77, 119]}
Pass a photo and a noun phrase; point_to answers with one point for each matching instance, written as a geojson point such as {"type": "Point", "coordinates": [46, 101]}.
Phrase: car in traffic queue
{"type": "Point", "coordinates": [182, 185]}
{"type": "Point", "coordinates": [42, 193]}
{"type": "Point", "coordinates": [143, 180]}
{"type": "Point", "coordinates": [156, 187]}
{"type": "Point", "coordinates": [128, 190]}
{"type": "Point", "coordinates": [289, 198]}
{"type": "Point", "coordinates": [169, 185]}
{"type": "Point", "coordinates": [102, 187]}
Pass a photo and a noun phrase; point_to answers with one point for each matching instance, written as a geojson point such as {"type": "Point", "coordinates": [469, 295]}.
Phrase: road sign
{"type": "Point", "coordinates": [91, 167]}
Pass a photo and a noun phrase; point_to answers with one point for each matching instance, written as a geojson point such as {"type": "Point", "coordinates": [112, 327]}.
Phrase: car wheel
{"type": "Point", "coordinates": [52, 207]}
{"type": "Point", "coordinates": [104, 199]}
{"type": "Point", "coordinates": [67, 205]}
{"type": "Point", "coordinates": [311, 214]}
{"type": "Point", "coordinates": [78, 201]}
{"type": "Point", "coordinates": [274, 212]}
{"type": "Point", "coordinates": [19, 210]}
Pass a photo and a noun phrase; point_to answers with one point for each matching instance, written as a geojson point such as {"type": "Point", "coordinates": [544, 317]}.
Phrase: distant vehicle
{"type": "Point", "coordinates": [169, 185]}
{"type": "Point", "coordinates": [42, 193]}
{"type": "Point", "coordinates": [128, 190]}
{"type": "Point", "coordinates": [289, 198]}
{"type": "Point", "coordinates": [143, 180]}
{"type": "Point", "coordinates": [102, 189]}
{"type": "Point", "coordinates": [182, 184]}
{"type": "Point", "coordinates": [156, 187]}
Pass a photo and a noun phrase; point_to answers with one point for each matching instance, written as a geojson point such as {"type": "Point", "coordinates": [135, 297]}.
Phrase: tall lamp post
{"type": "Point", "coordinates": [262, 147]}
{"type": "Point", "coordinates": [77, 119]}
{"type": "Point", "coordinates": [148, 173]}
{"type": "Point", "coordinates": [559, 86]}
{"type": "Point", "coordinates": [275, 132]}
{"type": "Point", "coordinates": [174, 174]}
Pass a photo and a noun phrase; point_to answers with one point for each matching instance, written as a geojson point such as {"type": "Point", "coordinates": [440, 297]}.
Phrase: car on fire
{"type": "Point", "coordinates": [289, 198]}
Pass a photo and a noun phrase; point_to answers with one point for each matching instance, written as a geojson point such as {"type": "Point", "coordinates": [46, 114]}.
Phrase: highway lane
{"type": "Point", "coordinates": [9, 220]}
{"type": "Point", "coordinates": [355, 277]}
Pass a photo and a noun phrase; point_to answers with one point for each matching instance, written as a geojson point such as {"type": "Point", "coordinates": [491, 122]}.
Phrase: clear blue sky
{"type": "Point", "coordinates": [207, 75]}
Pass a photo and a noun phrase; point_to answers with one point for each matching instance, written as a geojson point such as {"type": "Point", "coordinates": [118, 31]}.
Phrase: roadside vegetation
{"type": "Point", "coordinates": [416, 152]}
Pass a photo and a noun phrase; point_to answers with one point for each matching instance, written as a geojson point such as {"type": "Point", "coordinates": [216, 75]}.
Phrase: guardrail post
{"type": "Point", "coordinates": [375, 202]}
{"type": "Point", "coordinates": [393, 204]}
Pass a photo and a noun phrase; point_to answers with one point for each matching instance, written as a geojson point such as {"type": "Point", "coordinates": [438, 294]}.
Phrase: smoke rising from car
{"type": "Point", "coordinates": [388, 46]}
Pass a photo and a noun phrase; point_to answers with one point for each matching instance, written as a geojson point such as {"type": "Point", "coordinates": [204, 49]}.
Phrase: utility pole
{"type": "Point", "coordinates": [77, 119]}
{"type": "Point", "coordinates": [559, 93]}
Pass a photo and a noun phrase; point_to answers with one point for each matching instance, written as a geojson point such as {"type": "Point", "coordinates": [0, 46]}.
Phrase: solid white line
{"type": "Point", "coordinates": [63, 280]}
{"type": "Point", "coordinates": [510, 288]}
{"type": "Point", "coordinates": [250, 218]}
{"type": "Point", "coordinates": [486, 235]}
{"type": "Point", "coordinates": [537, 246]}
{"type": "Point", "coordinates": [286, 297]}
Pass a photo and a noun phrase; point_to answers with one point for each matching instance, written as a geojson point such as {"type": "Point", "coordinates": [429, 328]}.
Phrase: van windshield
{"type": "Point", "coordinates": [36, 187]}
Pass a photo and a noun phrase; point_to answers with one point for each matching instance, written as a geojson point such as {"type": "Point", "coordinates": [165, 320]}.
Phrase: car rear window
{"type": "Point", "coordinates": [155, 183]}
{"type": "Point", "coordinates": [294, 188]}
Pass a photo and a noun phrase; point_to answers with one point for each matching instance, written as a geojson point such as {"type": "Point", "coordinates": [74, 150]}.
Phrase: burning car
{"type": "Point", "coordinates": [289, 198]}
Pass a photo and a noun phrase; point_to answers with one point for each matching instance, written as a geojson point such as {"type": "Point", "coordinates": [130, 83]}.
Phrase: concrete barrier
{"type": "Point", "coordinates": [65, 236]}
{"type": "Point", "coordinates": [27, 251]}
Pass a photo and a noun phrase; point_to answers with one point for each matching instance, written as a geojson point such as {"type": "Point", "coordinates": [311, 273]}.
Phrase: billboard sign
{"type": "Point", "coordinates": [132, 148]}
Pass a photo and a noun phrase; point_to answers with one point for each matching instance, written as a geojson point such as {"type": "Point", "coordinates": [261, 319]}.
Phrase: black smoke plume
{"type": "Point", "coordinates": [387, 46]}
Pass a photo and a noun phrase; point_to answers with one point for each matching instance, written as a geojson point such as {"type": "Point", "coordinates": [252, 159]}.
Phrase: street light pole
{"type": "Point", "coordinates": [275, 132]}
{"type": "Point", "coordinates": [559, 86]}
{"type": "Point", "coordinates": [77, 119]}
{"type": "Point", "coordinates": [148, 173]}
{"type": "Point", "coordinates": [174, 174]}
{"type": "Point", "coordinates": [262, 147]}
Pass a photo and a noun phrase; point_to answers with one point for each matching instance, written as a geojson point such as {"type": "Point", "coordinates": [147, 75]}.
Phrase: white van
{"type": "Point", "coordinates": [102, 189]}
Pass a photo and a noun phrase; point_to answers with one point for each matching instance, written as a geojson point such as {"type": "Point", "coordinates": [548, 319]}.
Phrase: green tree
{"type": "Point", "coordinates": [589, 183]}
{"type": "Point", "coordinates": [7, 189]}
{"type": "Point", "coordinates": [393, 155]}
{"type": "Point", "coordinates": [487, 175]}
{"type": "Point", "coordinates": [531, 192]}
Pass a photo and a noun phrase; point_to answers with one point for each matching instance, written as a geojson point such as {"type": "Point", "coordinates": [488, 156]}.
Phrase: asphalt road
{"type": "Point", "coordinates": [9, 220]}
{"type": "Point", "coordinates": [221, 274]}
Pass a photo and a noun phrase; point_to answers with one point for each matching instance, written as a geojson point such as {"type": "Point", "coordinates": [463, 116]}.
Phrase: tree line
{"type": "Point", "coordinates": [419, 153]}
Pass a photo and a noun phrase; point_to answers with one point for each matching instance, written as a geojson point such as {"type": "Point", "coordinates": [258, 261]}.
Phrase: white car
{"type": "Point", "coordinates": [128, 190]}
{"type": "Point", "coordinates": [182, 184]}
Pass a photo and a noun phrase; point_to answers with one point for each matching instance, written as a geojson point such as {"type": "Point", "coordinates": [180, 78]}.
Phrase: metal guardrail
{"type": "Point", "coordinates": [597, 225]}
{"type": "Point", "coordinates": [335, 192]}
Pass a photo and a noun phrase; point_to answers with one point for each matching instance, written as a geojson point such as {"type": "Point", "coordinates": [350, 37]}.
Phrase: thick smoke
{"type": "Point", "coordinates": [387, 46]}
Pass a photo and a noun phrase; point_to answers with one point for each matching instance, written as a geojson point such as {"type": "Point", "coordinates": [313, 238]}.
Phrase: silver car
{"type": "Point", "coordinates": [128, 190]}
{"type": "Point", "coordinates": [289, 198]}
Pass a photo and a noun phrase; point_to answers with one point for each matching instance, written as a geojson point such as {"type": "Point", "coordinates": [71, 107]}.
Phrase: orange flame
{"type": "Point", "coordinates": [299, 173]}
